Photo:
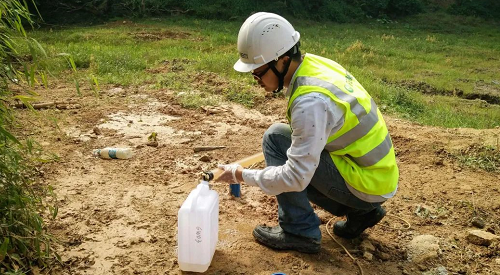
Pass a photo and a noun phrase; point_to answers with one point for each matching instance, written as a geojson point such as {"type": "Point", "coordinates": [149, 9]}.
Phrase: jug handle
{"type": "Point", "coordinates": [202, 189]}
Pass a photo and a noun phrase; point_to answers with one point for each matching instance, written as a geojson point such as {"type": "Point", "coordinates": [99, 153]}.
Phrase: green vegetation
{"type": "Point", "coordinates": [423, 68]}
{"type": "Point", "coordinates": [23, 239]}
{"type": "Point", "coordinates": [480, 156]}
{"type": "Point", "coordinates": [338, 11]}
{"type": "Point", "coordinates": [56, 11]}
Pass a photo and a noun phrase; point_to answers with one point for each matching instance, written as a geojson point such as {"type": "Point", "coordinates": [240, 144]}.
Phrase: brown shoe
{"type": "Point", "coordinates": [275, 237]}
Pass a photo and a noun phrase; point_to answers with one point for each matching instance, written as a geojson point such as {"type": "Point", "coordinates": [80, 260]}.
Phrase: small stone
{"type": "Point", "coordinates": [478, 222]}
{"type": "Point", "coordinates": [441, 270]}
{"type": "Point", "coordinates": [152, 143]}
{"type": "Point", "coordinates": [367, 246]}
{"type": "Point", "coordinates": [497, 261]}
{"type": "Point", "coordinates": [384, 256]}
{"type": "Point", "coordinates": [97, 131]}
{"type": "Point", "coordinates": [115, 91]}
{"type": "Point", "coordinates": [368, 256]}
{"type": "Point", "coordinates": [439, 162]}
{"type": "Point", "coordinates": [205, 158]}
{"type": "Point", "coordinates": [480, 237]}
{"type": "Point", "coordinates": [423, 248]}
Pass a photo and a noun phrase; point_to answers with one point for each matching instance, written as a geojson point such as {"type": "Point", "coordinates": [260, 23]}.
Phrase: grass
{"type": "Point", "coordinates": [480, 156]}
{"type": "Point", "coordinates": [446, 53]}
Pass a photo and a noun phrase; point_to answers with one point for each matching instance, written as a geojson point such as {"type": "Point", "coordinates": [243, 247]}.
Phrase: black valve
{"type": "Point", "coordinates": [207, 176]}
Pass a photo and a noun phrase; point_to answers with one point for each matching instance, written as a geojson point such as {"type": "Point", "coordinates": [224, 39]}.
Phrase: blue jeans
{"type": "Point", "coordinates": [327, 189]}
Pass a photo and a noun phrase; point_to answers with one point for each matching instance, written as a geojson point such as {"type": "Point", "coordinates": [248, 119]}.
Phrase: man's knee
{"type": "Point", "coordinates": [276, 129]}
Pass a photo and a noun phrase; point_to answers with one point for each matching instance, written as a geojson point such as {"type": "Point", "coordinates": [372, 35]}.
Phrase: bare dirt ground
{"type": "Point", "coordinates": [120, 216]}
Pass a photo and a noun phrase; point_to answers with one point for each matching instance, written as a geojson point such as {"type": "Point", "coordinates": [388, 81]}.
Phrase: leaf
{"type": "Point", "coordinates": [72, 62]}
{"type": "Point", "coordinates": [44, 79]}
{"type": "Point", "coordinates": [40, 48]}
{"type": "Point", "coordinates": [16, 258]}
{"type": "Point", "coordinates": [3, 248]}
{"type": "Point", "coordinates": [8, 135]}
{"type": "Point", "coordinates": [54, 210]}
{"type": "Point", "coordinates": [152, 137]}
{"type": "Point", "coordinates": [32, 75]}
{"type": "Point", "coordinates": [77, 85]}
{"type": "Point", "coordinates": [96, 82]}
{"type": "Point", "coordinates": [26, 100]}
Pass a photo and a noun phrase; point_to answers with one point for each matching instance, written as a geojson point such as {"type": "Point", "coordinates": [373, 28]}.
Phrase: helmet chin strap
{"type": "Point", "coordinates": [281, 76]}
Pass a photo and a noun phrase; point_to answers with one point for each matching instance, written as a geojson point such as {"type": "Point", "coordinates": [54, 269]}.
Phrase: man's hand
{"type": "Point", "coordinates": [232, 173]}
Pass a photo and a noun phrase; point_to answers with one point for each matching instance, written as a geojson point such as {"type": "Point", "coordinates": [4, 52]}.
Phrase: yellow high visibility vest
{"type": "Point", "coordinates": [361, 149]}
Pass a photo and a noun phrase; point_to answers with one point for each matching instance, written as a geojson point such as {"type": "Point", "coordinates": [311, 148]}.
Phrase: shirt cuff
{"type": "Point", "coordinates": [249, 176]}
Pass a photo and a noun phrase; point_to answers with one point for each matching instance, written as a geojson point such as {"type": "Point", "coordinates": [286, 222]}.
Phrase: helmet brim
{"type": "Point", "coordinates": [245, 67]}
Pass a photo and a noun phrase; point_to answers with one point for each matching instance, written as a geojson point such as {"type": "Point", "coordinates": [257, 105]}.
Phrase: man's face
{"type": "Point", "coordinates": [266, 78]}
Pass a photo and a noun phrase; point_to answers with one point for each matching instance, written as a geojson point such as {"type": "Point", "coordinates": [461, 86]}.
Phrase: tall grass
{"type": "Point", "coordinates": [23, 238]}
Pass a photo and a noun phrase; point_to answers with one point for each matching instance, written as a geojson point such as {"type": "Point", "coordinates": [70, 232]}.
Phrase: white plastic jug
{"type": "Point", "coordinates": [198, 229]}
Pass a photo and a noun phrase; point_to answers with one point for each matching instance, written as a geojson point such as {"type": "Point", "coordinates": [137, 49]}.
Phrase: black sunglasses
{"type": "Point", "coordinates": [261, 74]}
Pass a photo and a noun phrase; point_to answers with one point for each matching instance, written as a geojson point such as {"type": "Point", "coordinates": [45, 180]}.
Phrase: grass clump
{"type": "Point", "coordinates": [480, 157]}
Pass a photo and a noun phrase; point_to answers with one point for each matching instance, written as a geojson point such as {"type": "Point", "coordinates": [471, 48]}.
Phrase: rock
{"type": "Point", "coordinates": [497, 261]}
{"type": "Point", "coordinates": [152, 143]}
{"type": "Point", "coordinates": [136, 240]}
{"type": "Point", "coordinates": [480, 237]}
{"type": "Point", "coordinates": [441, 270]}
{"type": "Point", "coordinates": [205, 158]}
{"type": "Point", "coordinates": [384, 256]}
{"type": "Point", "coordinates": [367, 246]}
{"type": "Point", "coordinates": [478, 222]}
{"type": "Point", "coordinates": [97, 131]}
{"type": "Point", "coordinates": [423, 248]}
{"type": "Point", "coordinates": [368, 256]}
{"type": "Point", "coordinates": [115, 91]}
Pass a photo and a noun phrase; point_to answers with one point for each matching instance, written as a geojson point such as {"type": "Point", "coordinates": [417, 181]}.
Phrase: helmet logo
{"type": "Point", "coordinates": [244, 55]}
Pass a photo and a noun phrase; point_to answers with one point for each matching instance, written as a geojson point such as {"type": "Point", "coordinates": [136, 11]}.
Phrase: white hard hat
{"type": "Point", "coordinates": [262, 38]}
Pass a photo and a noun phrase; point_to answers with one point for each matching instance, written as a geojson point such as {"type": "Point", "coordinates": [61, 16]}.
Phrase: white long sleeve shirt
{"type": "Point", "coordinates": [315, 117]}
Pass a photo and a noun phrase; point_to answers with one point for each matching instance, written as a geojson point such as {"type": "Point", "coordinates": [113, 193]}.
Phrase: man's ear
{"type": "Point", "coordinates": [284, 59]}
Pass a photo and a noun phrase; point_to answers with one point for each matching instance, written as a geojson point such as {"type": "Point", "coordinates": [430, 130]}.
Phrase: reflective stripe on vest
{"type": "Point", "coordinates": [366, 122]}
{"type": "Point", "coordinates": [376, 154]}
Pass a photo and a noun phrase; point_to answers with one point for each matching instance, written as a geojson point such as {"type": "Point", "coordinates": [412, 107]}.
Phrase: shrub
{"type": "Point", "coordinates": [398, 8]}
{"type": "Point", "coordinates": [23, 239]}
{"type": "Point", "coordinates": [320, 10]}
{"type": "Point", "coordinates": [478, 8]}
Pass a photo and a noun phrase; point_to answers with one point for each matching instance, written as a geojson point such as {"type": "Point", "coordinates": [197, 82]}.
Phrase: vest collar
{"type": "Point", "coordinates": [290, 86]}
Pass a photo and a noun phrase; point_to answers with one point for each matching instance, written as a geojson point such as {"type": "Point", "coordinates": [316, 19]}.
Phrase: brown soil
{"type": "Point", "coordinates": [160, 35]}
{"type": "Point", "coordinates": [487, 92]}
{"type": "Point", "coordinates": [120, 216]}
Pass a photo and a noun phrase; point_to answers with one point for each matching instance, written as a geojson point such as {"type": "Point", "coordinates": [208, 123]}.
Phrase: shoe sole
{"type": "Point", "coordinates": [262, 240]}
